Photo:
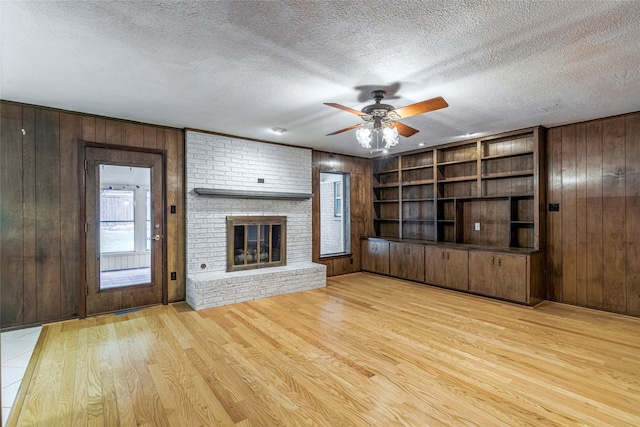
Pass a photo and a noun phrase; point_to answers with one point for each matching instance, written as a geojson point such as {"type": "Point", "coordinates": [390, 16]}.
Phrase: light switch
{"type": "Point", "coordinates": [477, 226]}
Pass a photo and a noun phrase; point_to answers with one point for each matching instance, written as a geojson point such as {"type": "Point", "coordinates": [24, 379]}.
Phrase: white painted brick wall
{"type": "Point", "coordinates": [235, 164]}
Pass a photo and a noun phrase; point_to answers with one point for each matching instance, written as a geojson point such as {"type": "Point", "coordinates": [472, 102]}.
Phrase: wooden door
{"type": "Point", "coordinates": [458, 269]}
{"type": "Point", "coordinates": [406, 261]}
{"type": "Point", "coordinates": [129, 237]}
{"type": "Point", "coordinates": [511, 277]}
{"type": "Point", "coordinates": [375, 256]}
{"type": "Point", "coordinates": [435, 264]}
{"type": "Point", "coordinates": [482, 272]}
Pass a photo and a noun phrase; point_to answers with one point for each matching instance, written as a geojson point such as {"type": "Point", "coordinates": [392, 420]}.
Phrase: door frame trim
{"type": "Point", "coordinates": [82, 188]}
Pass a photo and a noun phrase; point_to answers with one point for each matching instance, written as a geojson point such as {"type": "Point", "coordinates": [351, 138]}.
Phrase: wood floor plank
{"type": "Point", "coordinates": [365, 350]}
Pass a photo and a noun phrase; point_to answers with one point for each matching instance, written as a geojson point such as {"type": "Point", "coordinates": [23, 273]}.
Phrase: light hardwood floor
{"type": "Point", "coordinates": [367, 350]}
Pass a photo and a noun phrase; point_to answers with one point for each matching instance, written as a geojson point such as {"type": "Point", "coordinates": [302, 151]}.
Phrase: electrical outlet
{"type": "Point", "coordinates": [174, 276]}
{"type": "Point", "coordinates": [477, 226]}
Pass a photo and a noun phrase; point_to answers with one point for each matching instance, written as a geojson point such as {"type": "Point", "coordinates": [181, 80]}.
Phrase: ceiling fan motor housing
{"type": "Point", "coordinates": [384, 111]}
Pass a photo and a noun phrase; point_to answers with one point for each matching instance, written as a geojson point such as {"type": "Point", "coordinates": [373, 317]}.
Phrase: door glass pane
{"type": "Point", "coordinates": [148, 245]}
{"type": "Point", "coordinates": [264, 242]}
{"type": "Point", "coordinates": [125, 226]}
{"type": "Point", "coordinates": [252, 244]}
{"type": "Point", "coordinates": [238, 245]}
{"type": "Point", "coordinates": [276, 239]}
{"type": "Point", "coordinates": [334, 213]}
{"type": "Point", "coordinates": [116, 221]}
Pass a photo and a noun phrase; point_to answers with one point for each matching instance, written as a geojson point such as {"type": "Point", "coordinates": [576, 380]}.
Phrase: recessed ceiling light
{"type": "Point", "coordinates": [468, 134]}
{"type": "Point", "coordinates": [385, 151]}
{"type": "Point", "coordinates": [421, 144]}
{"type": "Point", "coordinates": [279, 131]}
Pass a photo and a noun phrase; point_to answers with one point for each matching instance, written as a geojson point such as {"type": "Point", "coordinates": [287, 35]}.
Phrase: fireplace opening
{"type": "Point", "coordinates": [256, 242]}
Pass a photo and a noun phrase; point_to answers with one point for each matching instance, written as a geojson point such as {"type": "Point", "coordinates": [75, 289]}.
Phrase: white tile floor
{"type": "Point", "coordinates": [17, 347]}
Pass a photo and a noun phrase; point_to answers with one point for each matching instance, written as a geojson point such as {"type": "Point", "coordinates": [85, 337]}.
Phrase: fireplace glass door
{"type": "Point", "coordinates": [255, 242]}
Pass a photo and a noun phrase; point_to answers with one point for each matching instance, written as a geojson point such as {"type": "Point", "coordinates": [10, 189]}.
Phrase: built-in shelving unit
{"type": "Point", "coordinates": [481, 191]}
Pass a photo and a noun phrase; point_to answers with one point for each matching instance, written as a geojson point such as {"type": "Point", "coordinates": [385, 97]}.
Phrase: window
{"type": "Point", "coordinates": [334, 214]}
{"type": "Point", "coordinates": [125, 209]}
{"type": "Point", "coordinates": [117, 221]}
{"type": "Point", "coordinates": [337, 194]}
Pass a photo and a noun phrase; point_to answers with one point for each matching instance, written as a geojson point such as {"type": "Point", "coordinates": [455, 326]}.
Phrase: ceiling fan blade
{"type": "Point", "coordinates": [405, 130]}
{"type": "Point", "coordinates": [343, 108]}
{"type": "Point", "coordinates": [422, 107]}
{"type": "Point", "coordinates": [344, 130]}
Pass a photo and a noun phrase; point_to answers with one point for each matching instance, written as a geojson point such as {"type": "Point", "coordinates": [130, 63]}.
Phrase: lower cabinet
{"type": "Point", "coordinates": [447, 267]}
{"type": "Point", "coordinates": [375, 256]}
{"type": "Point", "coordinates": [507, 276]}
{"type": "Point", "coordinates": [407, 261]}
{"type": "Point", "coordinates": [517, 277]}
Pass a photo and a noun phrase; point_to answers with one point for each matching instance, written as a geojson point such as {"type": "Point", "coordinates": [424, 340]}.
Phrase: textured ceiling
{"type": "Point", "coordinates": [243, 67]}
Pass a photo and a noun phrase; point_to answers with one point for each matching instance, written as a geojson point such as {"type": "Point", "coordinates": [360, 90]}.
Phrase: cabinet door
{"type": "Point", "coordinates": [435, 264]}
{"type": "Point", "coordinates": [458, 269]}
{"type": "Point", "coordinates": [407, 261]}
{"type": "Point", "coordinates": [375, 256]}
{"type": "Point", "coordinates": [511, 277]}
{"type": "Point", "coordinates": [482, 272]}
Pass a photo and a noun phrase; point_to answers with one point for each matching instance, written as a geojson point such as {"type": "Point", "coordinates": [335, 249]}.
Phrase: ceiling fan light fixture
{"type": "Point", "coordinates": [364, 136]}
{"type": "Point", "coordinates": [390, 136]}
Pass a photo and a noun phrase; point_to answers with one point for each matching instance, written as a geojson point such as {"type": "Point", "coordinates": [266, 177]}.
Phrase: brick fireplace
{"type": "Point", "coordinates": [234, 178]}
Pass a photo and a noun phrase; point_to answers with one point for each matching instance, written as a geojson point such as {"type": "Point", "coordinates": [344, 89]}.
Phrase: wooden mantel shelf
{"type": "Point", "coordinates": [241, 194]}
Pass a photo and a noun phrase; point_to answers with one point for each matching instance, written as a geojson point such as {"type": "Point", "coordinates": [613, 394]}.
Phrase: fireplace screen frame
{"type": "Point", "coordinates": [246, 221]}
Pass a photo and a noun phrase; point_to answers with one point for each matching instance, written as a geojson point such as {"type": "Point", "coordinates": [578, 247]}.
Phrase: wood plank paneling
{"type": "Point", "coordinates": [71, 126]}
{"type": "Point", "coordinates": [42, 170]}
{"type": "Point", "coordinates": [172, 145]}
{"type": "Point", "coordinates": [29, 214]}
{"type": "Point", "coordinates": [632, 214]}
{"type": "Point", "coordinates": [568, 213]}
{"type": "Point", "coordinates": [554, 222]}
{"type": "Point", "coordinates": [11, 219]}
{"type": "Point", "coordinates": [114, 132]}
{"type": "Point", "coordinates": [613, 191]}
{"type": "Point", "coordinates": [600, 211]}
{"type": "Point", "coordinates": [48, 219]}
{"type": "Point", "coordinates": [361, 207]}
{"type": "Point", "coordinates": [581, 214]}
{"type": "Point", "coordinates": [593, 209]}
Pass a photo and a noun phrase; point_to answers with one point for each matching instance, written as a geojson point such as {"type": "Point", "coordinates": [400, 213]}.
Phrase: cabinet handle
{"type": "Point", "coordinates": [499, 262]}
{"type": "Point", "coordinates": [442, 254]}
{"type": "Point", "coordinates": [493, 261]}
{"type": "Point", "coordinates": [447, 255]}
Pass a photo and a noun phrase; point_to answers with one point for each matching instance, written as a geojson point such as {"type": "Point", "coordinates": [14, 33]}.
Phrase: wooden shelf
{"type": "Point", "coordinates": [500, 175]}
{"type": "Point", "coordinates": [506, 156]}
{"type": "Point", "coordinates": [386, 171]}
{"type": "Point", "coordinates": [386, 201]}
{"type": "Point", "coordinates": [395, 184]}
{"type": "Point", "coordinates": [417, 167]}
{"type": "Point", "coordinates": [491, 181]}
{"type": "Point", "coordinates": [414, 183]}
{"type": "Point", "coordinates": [456, 162]}
{"type": "Point", "coordinates": [243, 194]}
{"type": "Point", "coordinates": [386, 219]}
{"type": "Point", "coordinates": [458, 179]}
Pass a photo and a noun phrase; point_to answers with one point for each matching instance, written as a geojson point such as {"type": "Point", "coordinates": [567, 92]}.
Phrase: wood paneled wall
{"type": "Point", "coordinates": [593, 246]}
{"type": "Point", "coordinates": [361, 207]}
{"type": "Point", "coordinates": [40, 202]}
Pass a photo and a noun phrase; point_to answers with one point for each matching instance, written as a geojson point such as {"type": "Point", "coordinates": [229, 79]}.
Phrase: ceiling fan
{"type": "Point", "coordinates": [384, 119]}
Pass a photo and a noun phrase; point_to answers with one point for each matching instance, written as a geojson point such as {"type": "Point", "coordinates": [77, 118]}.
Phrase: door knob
{"type": "Point", "coordinates": [156, 237]}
